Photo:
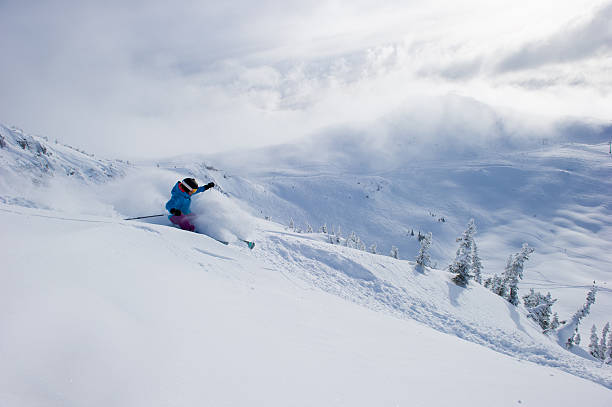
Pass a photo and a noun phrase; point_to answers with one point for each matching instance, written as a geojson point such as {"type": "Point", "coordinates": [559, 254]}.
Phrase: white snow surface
{"type": "Point", "coordinates": [98, 311]}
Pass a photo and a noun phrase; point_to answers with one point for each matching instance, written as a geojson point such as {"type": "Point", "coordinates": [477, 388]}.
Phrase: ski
{"type": "Point", "coordinates": [250, 244]}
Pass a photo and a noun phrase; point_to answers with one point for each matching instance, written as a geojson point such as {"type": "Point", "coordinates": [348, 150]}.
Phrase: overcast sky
{"type": "Point", "coordinates": [153, 78]}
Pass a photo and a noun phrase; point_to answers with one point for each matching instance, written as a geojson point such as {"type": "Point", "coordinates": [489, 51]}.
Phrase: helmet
{"type": "Point", "coordinates": [189, 184]}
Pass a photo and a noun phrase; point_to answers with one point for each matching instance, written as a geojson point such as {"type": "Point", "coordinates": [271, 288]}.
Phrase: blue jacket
{"type": "Point", "coordinates": [181, 200]}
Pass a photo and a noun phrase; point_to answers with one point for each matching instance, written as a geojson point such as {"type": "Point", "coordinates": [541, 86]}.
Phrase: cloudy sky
{"type": "Point", "coordinates": [153, 78]}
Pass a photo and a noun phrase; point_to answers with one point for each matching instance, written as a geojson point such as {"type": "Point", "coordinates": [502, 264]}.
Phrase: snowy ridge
{"type": "Point", "coordinates": [25, 157]}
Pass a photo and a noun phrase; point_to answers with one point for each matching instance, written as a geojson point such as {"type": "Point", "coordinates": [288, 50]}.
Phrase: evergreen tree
{"type": "Point", "coordinates": [539, 308]}
{"type": "Point", "coordinates": [324, 228]}
{"type": "Point", "coordinates": [554, 324]}
{"type": "Point", "coordinates": [603, 345]}
{"type": "Point", "coordinates": [514, 272]}
{"type": "Point", "coordinates": [423, 259]}
{"type": "Point", "coordinates": [352, 241]}
{"type": "Point", "coordinates": [594, 348]}
{"type": "Point", "coordinates": [574, 338]}
{"type": "Point", "coordinates": [291, 224]}
{"type": "Point", "coordinates": [394, 252]}
{"type": "Point", "coordinates": [463, 259]}
{"type": "Point", "coordinates": [476, 264]}
{"type": "Point", "coordinates": [608, 355]}
{"type": "Point", "coordinates": [361, 245]}
{"type": "Point", "coordinates": [373, 248]}
{"type": "Point", "coordinates": [308, 228]}
{"type": "Point", "coordinates": [497, 285]}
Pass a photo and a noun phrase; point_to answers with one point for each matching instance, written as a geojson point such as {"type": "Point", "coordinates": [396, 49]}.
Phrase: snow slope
{"type": "Point", "coordinates": [98, 311]}
{"type": "Point", "coordinates": [162, 316]}
{"type": "Point", "coordinates": [551, 190]}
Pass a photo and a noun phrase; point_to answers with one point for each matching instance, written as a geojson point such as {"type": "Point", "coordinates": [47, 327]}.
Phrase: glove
{"type": "Point", "coordinates": [209, 185]}
{"type": "Point", "coordinates": [176, 212]}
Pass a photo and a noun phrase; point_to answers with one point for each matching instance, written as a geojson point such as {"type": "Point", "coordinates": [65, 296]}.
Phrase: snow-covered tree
{"type": "Point", "coordinates": [514, 272]}
{"type": "Point", "coordinates": [352, 241]}
{"type": "Point", "coordinates": [496, 284]}
{"type": "Point", "coordinates": [324, 228]}
{"type": "Point", "coordinates": [539, 308]}
{"type": "Point", "coordinates": [463, 259]}
{"type": "Point", "coordinates": [308, 228]}
{"type": "Point", "coordinates": [603, 345]}
{"type": "Point", "coordinates": [291, 224]}
{"type": "Point", "coordinates": [594, 348]}
{"type": "Point", "coordinates": [570, 331]}
{"type": "Point", "coordinates": [476, 264]}
{"type": "Point", "coordinates": [373, 248]}
{"type": "Point", "coordinates": [555, 323]}
{"type": "Point", "coordinates": [423, 258]}
{"type": "Point", "coordinates": [608, 353]}
{"type": "Point", "coordinates": [394, 252]}
{"type": "Point", "coordinates": [361, 245]}
{"type": "Point", "coordinates": [600, 348]}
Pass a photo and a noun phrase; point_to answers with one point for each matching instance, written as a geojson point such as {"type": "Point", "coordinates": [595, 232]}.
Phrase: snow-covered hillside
{"type": "Point", "coordinates": [28, 161]}
{"type": "Point", "coordinates": [97, 310]}
{"type": "Point", "coordinates": [550, 190]}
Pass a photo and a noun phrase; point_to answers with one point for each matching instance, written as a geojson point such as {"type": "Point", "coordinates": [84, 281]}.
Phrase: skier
{"type": "Point", "coordinates": [179, 203]}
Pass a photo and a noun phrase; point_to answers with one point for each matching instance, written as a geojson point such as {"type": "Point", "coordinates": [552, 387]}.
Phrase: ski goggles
{"type": "Point", "coordinates": [188, 189]}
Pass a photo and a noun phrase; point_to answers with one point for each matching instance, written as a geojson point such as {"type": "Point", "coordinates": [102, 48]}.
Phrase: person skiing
{"type": "Point", "coordinates": [179, 203]}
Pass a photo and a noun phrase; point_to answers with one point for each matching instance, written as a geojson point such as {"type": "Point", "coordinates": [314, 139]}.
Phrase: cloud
{"type": "Point", "coordinates": [572, 43]}
{"type": "Point", "coordinates": [146, 78]}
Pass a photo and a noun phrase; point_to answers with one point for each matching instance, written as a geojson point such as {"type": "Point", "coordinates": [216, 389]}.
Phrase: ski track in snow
{"type": "Point", "coordinates": [335, 269]}
{"type": "Point", "coordinates": [360, 277]}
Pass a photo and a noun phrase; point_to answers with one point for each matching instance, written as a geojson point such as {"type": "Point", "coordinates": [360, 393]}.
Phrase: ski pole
{"type": "Point", "coordinates": [144, 217]}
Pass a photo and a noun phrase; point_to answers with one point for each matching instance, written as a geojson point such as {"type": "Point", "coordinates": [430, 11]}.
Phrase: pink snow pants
{"type": "Point", "coordinates": [183, 221]}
